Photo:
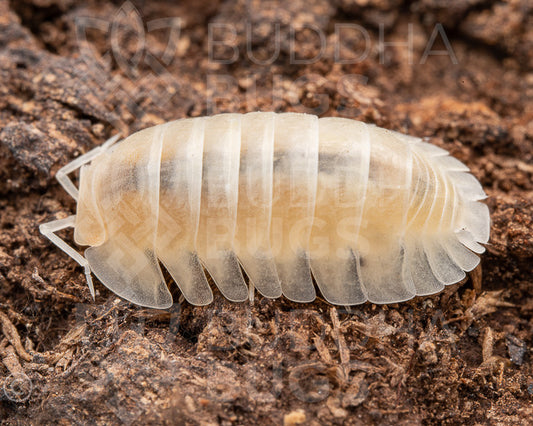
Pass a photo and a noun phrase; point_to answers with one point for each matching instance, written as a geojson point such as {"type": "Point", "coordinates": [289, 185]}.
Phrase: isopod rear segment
{"type": "Point", "coordinates": [369, 213]}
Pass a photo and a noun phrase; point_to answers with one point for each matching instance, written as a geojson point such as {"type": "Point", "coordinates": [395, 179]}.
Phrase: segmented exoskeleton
{"type": "Point", "coordinates": [370, 213]}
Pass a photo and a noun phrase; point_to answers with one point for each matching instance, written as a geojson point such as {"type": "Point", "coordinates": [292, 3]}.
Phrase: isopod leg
{"type": "Point", "coordinates": [63, 172]}
{"type": "Point", "coordinates": [49, 229]}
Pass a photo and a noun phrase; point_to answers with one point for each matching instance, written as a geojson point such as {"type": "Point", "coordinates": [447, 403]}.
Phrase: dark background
{"type": "Point", "coordinates": [74, 73]}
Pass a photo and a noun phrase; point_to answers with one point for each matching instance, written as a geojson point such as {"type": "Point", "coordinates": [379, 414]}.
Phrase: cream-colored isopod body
{"type": "Point", "coordinates": [370, 213]}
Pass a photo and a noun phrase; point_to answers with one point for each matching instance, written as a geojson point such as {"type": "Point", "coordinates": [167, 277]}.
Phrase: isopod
{"type": "Point", "coordinates": [371, 214]}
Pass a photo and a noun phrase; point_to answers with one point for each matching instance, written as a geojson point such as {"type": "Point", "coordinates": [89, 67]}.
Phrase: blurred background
{"type": "Point", "coordinates": [74, 73]}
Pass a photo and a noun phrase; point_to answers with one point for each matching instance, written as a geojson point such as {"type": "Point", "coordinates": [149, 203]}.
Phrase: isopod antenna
{"type": "Point", "coordinates": [50, 228]}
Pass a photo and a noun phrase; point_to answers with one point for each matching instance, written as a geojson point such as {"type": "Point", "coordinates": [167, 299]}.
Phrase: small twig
{"type": "Point", "coordinates": [53, 290]}
{"type": "Point", "coordinates": [11, 362]}
{"type": "Point", "coordinates": [11, 333]}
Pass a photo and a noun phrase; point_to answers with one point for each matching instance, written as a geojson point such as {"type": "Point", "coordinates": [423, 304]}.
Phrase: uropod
{"type": "Point", "coordinates": [369, 213]}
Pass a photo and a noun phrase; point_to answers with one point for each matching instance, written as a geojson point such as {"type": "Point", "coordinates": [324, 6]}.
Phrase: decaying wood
{"type": "Point", "coordinates": [450, 358]}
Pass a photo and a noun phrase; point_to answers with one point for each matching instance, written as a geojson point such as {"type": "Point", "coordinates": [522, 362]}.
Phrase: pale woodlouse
{"type": "Point", "coordinates": [370, 213]}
